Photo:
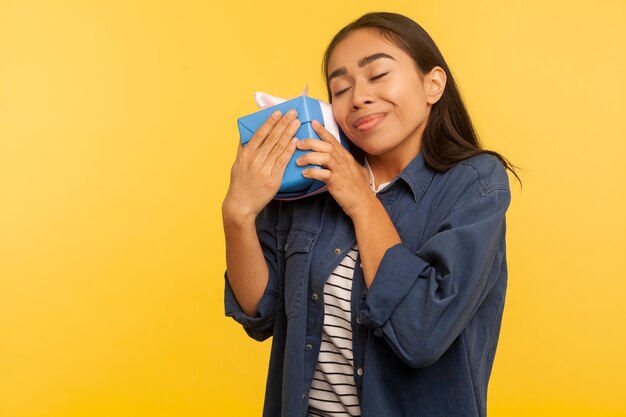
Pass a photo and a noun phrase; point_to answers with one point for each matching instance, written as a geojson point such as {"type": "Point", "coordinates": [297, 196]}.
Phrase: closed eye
{"type": "Point", "coordinates": [374, 78]}
{"type": "Point", "coordinates": [338, 93]}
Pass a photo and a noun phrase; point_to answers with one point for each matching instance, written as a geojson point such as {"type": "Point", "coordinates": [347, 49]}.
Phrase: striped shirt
{"type": "Point", "coordinates": [333, 390]}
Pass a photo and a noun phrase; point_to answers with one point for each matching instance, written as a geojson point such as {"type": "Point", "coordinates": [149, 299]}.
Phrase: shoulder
{"type": "Point", "coordinates": [485, 172]}
{"type": "Point", "coordinates": [476, 180]}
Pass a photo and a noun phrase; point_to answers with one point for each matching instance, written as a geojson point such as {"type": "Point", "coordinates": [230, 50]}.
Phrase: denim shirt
{"type": "Point", "coordinates": [425, 332]}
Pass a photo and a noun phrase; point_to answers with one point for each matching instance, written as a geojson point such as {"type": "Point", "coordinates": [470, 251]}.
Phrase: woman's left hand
{"type": "Point", "coordinates": [346, 179]}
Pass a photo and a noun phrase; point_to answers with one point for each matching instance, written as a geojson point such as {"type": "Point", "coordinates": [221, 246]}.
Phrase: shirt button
{"type": "Point", "coordinates": [286, 247]}
{"type": "Point", "coordinates": [314, 296]}
{"type": "Point", "coordinates": [337, 251]}
{"type": "Point", "coordinates": [361, 266]}
{"type": "Point", "coordinates": [308, 346]}
{"type": "Point", "coordinates": [359, 372]}
{"type": "Point", "coordinates": [358, 320]}
{"type": "Point", "coordinates": [303, 396]}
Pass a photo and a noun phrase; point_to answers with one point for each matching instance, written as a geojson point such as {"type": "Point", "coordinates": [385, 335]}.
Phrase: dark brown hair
{"type": "Point", "coordinates": [449, 136]}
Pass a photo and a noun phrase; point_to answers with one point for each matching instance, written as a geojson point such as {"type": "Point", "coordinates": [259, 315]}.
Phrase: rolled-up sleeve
{"type": "Point", "coordinates": [260, 326]}
{"type": "Point", "coordinates": [420, 302]}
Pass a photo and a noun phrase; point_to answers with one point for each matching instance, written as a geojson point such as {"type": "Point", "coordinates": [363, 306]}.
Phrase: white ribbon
{"type": "Point", "coordinates": [264, 100]}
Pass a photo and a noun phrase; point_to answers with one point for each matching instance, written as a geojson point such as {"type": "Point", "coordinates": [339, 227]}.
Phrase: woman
{"type": "Point", "coordinates": [384, 296]}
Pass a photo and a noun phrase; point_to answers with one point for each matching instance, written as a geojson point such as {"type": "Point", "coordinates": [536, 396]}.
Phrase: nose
{"type": "Point", "coordinates": [361, 95]}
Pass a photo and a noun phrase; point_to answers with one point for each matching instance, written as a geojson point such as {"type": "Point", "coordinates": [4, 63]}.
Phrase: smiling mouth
{"type": "Point", "coordinates": [367, 123]}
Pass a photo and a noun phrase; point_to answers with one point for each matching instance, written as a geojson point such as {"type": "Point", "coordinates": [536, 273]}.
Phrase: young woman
{"type": "Point", "coordinates": [384, 296]}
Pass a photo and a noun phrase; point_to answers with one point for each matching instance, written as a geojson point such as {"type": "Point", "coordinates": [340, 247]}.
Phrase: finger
{"type": "Point", "coordinates": [318, 174]}
{"type": "Point", "coordinates": [282, 142]}
{"type": "Point", "coordinates": [265, 129]}
{"type": "Point", "coordinates": [317, 158]}
{"type": "Point", "coordinates": [275, 135]}
{"type": "Point", "coordinates": [315, 145]}
{"type": "Point", "coordinates": [283, 159]}
{"type": "Point", "coordinates": [324, 134]}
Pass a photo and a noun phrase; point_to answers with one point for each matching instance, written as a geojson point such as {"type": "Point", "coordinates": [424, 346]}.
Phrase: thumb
{"type": "Point", "coordinates": [364, 172]}
{"type": "Point", "coordinates": [239, 148]}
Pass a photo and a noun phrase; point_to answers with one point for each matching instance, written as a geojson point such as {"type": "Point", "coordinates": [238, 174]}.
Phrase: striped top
{"type": "Point", "coordinates": [333, 391]}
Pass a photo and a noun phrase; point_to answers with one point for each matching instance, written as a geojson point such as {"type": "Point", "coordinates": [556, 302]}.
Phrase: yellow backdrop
{"type": "Point", "coordinates": [117, 133]}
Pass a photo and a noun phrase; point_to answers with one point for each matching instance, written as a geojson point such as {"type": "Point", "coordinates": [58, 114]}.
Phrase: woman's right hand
{"type": "Point", "coordinates": [257, 172]}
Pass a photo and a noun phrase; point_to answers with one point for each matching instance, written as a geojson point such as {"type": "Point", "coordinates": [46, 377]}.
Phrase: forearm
{"type": "Point", "coordinates": [375, 233]}
{"type": "Point", "coordinates": [247, 270]}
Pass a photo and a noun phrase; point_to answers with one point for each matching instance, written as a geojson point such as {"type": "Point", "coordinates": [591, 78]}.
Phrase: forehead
{"type": "Point", "coordinates": [362, 43]}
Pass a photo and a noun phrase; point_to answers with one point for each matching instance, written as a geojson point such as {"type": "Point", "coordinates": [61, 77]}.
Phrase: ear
{"type": "Point", "coordinates": [435, 82]}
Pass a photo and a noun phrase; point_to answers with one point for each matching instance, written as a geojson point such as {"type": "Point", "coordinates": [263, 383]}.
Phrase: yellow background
{"type": "Point", "coordinates": [117, 134]}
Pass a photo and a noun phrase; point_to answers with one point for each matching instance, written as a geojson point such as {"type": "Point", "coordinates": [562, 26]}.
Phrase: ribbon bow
{"type": "Point", "coordinates": [264, 100]}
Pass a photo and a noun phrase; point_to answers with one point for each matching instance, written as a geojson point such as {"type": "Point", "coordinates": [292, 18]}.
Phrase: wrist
{"type": "Point", "coordinates": [236, 217]}
{"type": "Point", "coordinates": [367, 208]}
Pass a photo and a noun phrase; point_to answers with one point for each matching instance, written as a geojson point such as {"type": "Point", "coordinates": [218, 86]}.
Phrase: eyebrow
{"type": "Point", "coordinates": [362, 62]}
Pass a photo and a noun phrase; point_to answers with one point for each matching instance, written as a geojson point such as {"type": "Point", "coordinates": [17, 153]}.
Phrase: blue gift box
{"type": "Point", "coordinates": [294, 185]}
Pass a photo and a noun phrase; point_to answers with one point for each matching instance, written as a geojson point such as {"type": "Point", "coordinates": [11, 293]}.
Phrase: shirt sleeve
{"type": "Point", "coordinates": [420, 302]}
{"type": "Point", "coordinates": [260, 326]}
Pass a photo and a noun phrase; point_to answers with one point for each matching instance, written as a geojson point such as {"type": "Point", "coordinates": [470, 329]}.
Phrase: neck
{"type": "Point", "coordinates": [388, 166]}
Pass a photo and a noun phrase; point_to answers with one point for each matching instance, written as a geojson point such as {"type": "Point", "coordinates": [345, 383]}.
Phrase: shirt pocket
{"type": "Point", "coordinates": [298, 253]}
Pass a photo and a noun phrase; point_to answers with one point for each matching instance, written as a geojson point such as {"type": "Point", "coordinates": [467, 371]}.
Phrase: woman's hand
{"type": "Point", "coordinates": [257, 172]}
{"type": "Point", "coordinates": [347, 180]}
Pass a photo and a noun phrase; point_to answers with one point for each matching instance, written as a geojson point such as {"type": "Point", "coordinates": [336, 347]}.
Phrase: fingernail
{"type": "Point", "coordinates": [276, 114]}
{"type": "Point", "coordinates": [315, 123]}
{"type": "Point", "coordinates": [291, 113]}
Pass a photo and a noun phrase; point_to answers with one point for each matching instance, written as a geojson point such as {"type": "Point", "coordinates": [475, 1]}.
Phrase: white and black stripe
{"type": "Point", "coordinates": [333, 392]}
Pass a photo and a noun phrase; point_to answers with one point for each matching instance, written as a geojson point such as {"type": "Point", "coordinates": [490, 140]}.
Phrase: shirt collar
{"type": "Point", "coordinates": [372, 182]}
{"type": "Point", "coordinates": [417, 175]}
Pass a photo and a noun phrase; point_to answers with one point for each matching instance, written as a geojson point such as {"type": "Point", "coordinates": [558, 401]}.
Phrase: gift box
{"type": "Point", "coordinates": [294, 184]}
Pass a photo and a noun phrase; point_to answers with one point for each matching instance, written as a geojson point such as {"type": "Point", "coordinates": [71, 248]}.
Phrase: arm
{"type": "Point", "coordinates": [373, 242]}
{"type": "Point", "coordinates": [248, 279]}
{"type": "Point", "coordinates": [252, 260]}
{"type": "Point", "coordinates": [420, 302]}
{"type": "Point", "coordinates": [251, 279]}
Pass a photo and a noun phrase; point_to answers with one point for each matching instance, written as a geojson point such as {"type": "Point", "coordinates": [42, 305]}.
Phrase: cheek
{"type": "Point", "coordinates": [340, 116]}
{"type": "Point", "coordinates": [411, 103]}
{"type": "Point", "coordinates": [404, 90]}
{"type": "Point", "coordinates": [415, 106]}
{"type": "Point", "coordinates": [393, 92]}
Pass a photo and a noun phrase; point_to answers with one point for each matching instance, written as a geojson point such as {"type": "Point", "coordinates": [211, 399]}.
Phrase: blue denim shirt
{"type": "Point", "coordinates": [425, 332]}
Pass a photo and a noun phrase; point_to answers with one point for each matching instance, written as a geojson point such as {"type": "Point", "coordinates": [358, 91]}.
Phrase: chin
{"type": "Point", "coordinates": [374, 145]}
{"type": "Point", "coordinates": [373, 151]}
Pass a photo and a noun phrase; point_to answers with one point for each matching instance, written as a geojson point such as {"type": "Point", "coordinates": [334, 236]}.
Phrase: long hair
{"type": "Point", "coordinates": [449, 136]}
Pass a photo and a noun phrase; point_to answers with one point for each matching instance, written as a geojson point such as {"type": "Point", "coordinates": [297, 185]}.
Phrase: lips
{"type": "Point", "coordinates": [368, 121]}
